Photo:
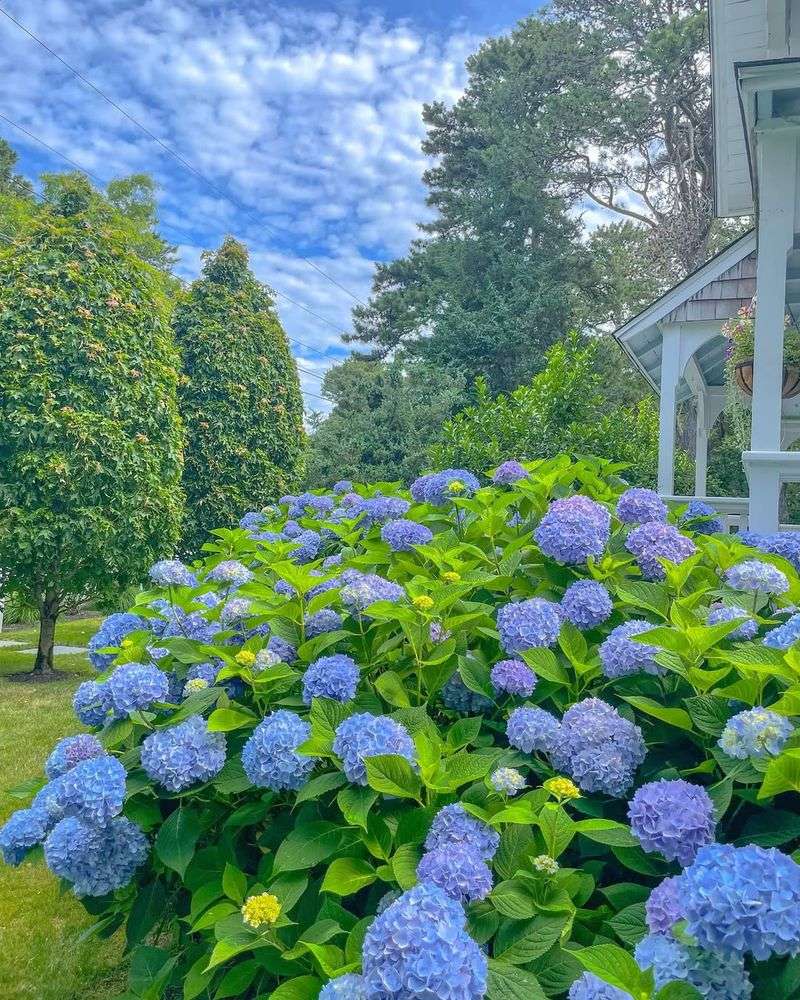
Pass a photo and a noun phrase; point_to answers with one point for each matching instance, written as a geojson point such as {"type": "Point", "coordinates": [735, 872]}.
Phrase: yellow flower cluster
{"type": "Point", "coordinates": [261, 909]}
{"type": "Point", "coordinates": [451, 576]}
{"type": "Point", "coordinates": [562, 788]}
{"type": "Point", "coordinates": [423, 602]}
{"type": "Point", "coordinates": [245, 658]}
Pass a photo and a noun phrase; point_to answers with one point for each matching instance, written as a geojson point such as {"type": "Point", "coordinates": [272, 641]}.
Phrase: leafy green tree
{"type": "Point", "coordinates": [565, 408]}
{"type": "Point", "coordinates": [91, 448]}
{"type": "Point", "coordinates": [384, 418]}
{"type": "Point", "coordinates": [12, 183]}
{"type": "Point", "coordinates": [240, 397]}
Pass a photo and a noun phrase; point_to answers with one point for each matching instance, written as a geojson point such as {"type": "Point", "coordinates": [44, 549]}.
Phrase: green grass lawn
{"type": "Point", "coordinates": [41, 956]}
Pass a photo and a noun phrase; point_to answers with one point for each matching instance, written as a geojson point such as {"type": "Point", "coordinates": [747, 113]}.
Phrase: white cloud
{"type": "Point", "coordinates": [311, 120]}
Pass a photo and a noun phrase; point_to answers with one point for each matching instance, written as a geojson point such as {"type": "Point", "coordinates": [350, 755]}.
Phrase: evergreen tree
{"type": "Point", "coordinates": [240, 397]}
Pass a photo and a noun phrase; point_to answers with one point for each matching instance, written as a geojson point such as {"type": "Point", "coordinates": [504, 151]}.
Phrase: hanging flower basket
{"type": "Point", "coordinates": [743, 374]}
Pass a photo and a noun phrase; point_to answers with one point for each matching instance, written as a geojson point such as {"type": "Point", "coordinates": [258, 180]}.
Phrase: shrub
{"type": "Point", "coordinates": [450, 789]}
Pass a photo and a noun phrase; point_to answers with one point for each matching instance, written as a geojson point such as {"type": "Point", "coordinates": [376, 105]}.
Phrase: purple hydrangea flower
{"type": "Point", "coordinates": [308, 545]}
{"type": "Point", "coordinates": [573, 529]}
{"type": "Point", "coordinates": [784, 635]}
{"type": "Point", "coordinates": [785, 544]}
{"type": "Point", "coordinates": [462, 874]}
{"type": "Point", "coordinates": [756, 732]}
{"type": "Point", "coordinates": [291, 530]}
{"type": "Point", "coordinates": [334, 677]}
{"type": "Point", "coordinates": [363, 735]}
{"type": "Point", "coordinates": [513, 677]}
{"type": "Point", "coordinates": [183, 755]}
{"type": "Point", "coordinates": [638, 505]}
{"type": "Point", "coordinates": [509, 472]}
{"type": "Point", "coordinates": [621, 656]}
{"type": "Point", "coordinates": [91, 703]}
{"type": "Point", "coordinates": [308, 505]}
{"type": "Point", "coordinates": [752, 574]}
{"type": "Point", "coordinates": [673, 817]}
{"type": "Point", "coordinates": [454, 829]}
{"type": "Point", "coordinates": [589, 987]}
{"type": "Point", "coordinates": [598, 748]}
{"type": "Point", "coordinates": [111, 633]}
{"type": "Point", "coordinates": [343, 486]}
{"type": "Point", "coordinates": [420, 485]}
{"type": "Point", "coordinates": [699, 517]}
{"type": "Point", "coordinates": [172, 573]}
{"type": "Point", "coordinates": [379, 510]}
{"type": "Point", "coordinates": [586, 603]}
{"type": "Point", "coordinates": [528, 624]}
{"type": "Point", "coordinates": [135, 687]}
{"type": "Point", "coordinates": [716, 977]}
{"type": "Point", "coordinates": [362, 589]}
{"type": "Point", "coordinates": [532, 730]}
{"type": "Point", "coordinates": [270, 757]}
{"type": "Point", "coordinates": [440, 487]}
{"type": "Point", "coordinates": [330, 561]}
{"type": "Point", "coordinates": [326, 620]}
{"type": "Point", "coordinates": [458, 697]}
{"type": "Point", "coordinates": [419, 946]}
{"type": "Point", "coordinates": [285, 650]}
{"type": "Point", "coordinates": [655, 540]}
{"type": "Point", "coordinates": [663, 908]}
{"type": "Point", "coordinates": [230, 571]}
{"type": "Point", "coordinates": [725, 613]}
{"type": "Point", "coordinates": [23, 830]}
{"type": "Point", "coordinates": [402, 536]}
{"type": "Point", "coordinates": [347, 987]}
{"type": "Point", "coordinates": [743, 899]}
{"type": "Point", "coordinates": [70, 751]}
{"type": "Point", "coordinates": [95, 860]}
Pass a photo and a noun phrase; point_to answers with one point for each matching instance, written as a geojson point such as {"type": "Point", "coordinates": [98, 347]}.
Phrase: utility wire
{"type": "Point", "coordinates": [173, 153]}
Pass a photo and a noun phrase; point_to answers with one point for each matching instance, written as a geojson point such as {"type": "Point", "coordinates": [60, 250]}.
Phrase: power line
{"type": "Point", "coordinates": [185, 236]}
{"type": "Point", "coordinates": [173, 153]}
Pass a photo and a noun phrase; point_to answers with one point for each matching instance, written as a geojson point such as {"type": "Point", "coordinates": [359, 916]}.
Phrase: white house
{"type": "Point", "coordinates": [677, 341]}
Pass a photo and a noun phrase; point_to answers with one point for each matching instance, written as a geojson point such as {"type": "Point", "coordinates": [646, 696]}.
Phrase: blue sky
{"type": "Point", "coordinates": [308, 115]}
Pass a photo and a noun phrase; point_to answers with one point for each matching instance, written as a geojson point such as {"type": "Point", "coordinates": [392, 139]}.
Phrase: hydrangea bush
{"type": "Point", "coordinates": [512, 736]}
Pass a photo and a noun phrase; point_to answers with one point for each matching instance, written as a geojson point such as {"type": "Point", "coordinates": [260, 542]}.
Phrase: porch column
{"type": "Point", "coordinates": [777, 167]}
{"type": "Point", "coordinates": [670, 374]}
{"type": "Point", "coordinates": [701, 447]}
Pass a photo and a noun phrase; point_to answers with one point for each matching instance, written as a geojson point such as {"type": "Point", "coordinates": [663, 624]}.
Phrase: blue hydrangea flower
{"type": "Point", "coordinates": [157, 653]}
{"type": "Point", "coordinates": [507, 780]}
{"type": "Point", "coordinates": [183, 755]}
{"type": "Point", "coordinates": [508, 472]}
{"type": "Point", "coordinates": [322, 588]}
{"type": "Point", "coordinates": [188, 624]}
{"type": "Point", "coordinates": [362, 589]}
{"type": "Point", "coordinates": [380, 510]}
{"type": "Point", "coordinates": [532, 730]}
{"type": "Point", "coordinates": [308, 544]}
{"type": "Point", "coordinates": [458, 697]}
{"type": "Point", "coordinates": [134, 687]}
{"type": "Point", "coordinates": [743, 899]}
{"type": "Point", "coordinates": [284, 589]}
{"type": "Point", "coordinates": [48, 801]}
{"type": "Point", "coordinates": [573, 529]}
{"type": "Point", "coordinates": [93, 790]}
{"type": "Point", "coordinates": [598, 748]}
{"type": "Point", "coordinates": [252, 520]}
{"type": "Point", "coordinates": [91, 703]}
{"type": "Point", "coordinates": [756, 732]}
{"type": "Point", "coordinates": [172, 573]}
{"type": "Point", "coordinates": [440, 487]}
{"type": "Point", "coordinates": [754, 575]}
{"type": "Point", "coordinates": [23, 830]}
{"type": "Point", "coordinates": [784, 635]}
{"type": "Point", "coordinates": [715, 977]}
{"type": "Point", "coordinates": [70, 751]}
{"type": "Point", "coordinates": [285, 650]}
{"type": "Point", "coordinates": [111, 633]}
{"type": "Point", "coordinates": [234, 610]}
{"type": "Point", "coordinates": [589, 987]}
{"type": "Point", "coordinates": [785, 544]}
{"type": "Point", "coordinates": [638, 505]}
{"type": "Point", "coordinates": [454, 829]}
{"type": "Point", "coordinates": [402, 536]}
{"type": "Point", "coordinates": [418, 947]}
{"type": "Point", "coordinates": [513, 677]}
{"type": "Point", "coordinates": [420, 485]}
{"type": "Point", "coordinates": [333, 677]}
{"type": "Point", "coordinates": [343, 486]}
{"type": "Point", "coordinates": [462, 874]}
{"type": "Point", "coordinates": [330, 561]}
{"type": "Point", "coordinates": [362, 736]}
{"type": "Point", "coordinates": [203, 671]}
{"type": "Point", "coordinates": [586, 603]}
{"type": "Point", "coordinates": [664, 908]}
{"type": "Point", "coordinates": [230, 571]}
{"type": "Point", "coordinates": [308, 505]}
{"type": "Point", "coordinates": [673, 817]}
{"type": "Point", "coordinates": [699, 517]}
{"type": "Point", "coordinates": [726, 613]}
{"type": "Point", "coordinates": [348, 987]}
{"type": "Point", "coordinates": [291, 530]}
{"type": "Point", "coordinates": [96, 861]}
{"type": "Point", "coordinates": [655, 540]}
{"type": "Point", "coordinates": [270, 757]}
{"type": "Point", "coordinates": [528, 624]}
{"type": "Point", "coordinates": [620, 655]}
{"type": "Point", "coordinates": [326, 620]}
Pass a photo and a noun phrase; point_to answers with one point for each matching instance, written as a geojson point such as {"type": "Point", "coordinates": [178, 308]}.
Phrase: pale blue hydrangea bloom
{"type": "Point", "coordinates": [754, 575]}
{"type": "Point", "coordinates": [333, 677]}
{"type": "Point", "coordinates": [93, 790]}
{"type": "Point", "coordinates": [589, 987]}
{"type": "Point", "coordinates": [785, 635]}
{"type": "Point", "coordinates": [184, 754]}
{"type": "Point", "coordinates": [325, 620]}
{"type": "Point", "coordinates": [230, 571]}
{"type": "Point", "coordinates": [135, 687]}
{"type": "Point", "coordinates": [95, 860]}
{"type": "Point", "coordinates": [674, 817]}
{"type": "Point", "coordinates": [620, 655]}
{"type": "Point", "coordinates": [285, 650]}
{"type": "Point", "coordinates": [573, 529]}
{"type": "Point", "coordinates": [663, 908]}
{"type": "Point", "coordinates": [727, 613]}
{"type": "Point", "coordinates": [362, 589]}
{"type": "Point", "coordinates": [418, 947]}
{"type": "Point", "coordinates": [403, 535]}
{"type": "Point", "coordinates": [343, 486]}
{"type": "Point", "coordinates": [638, 505]}
{"type": "Point", "coordinates": [203, 671]}
{"type": "Point", "coordinates": [234, 610]}
{"type": "Point", "coordinates": [532, 730]}
{"type": "Point", "coordinates": [586, 603]}
{"type": "Point", "coordinates": [513, 677]}
{"type": "Point", "coordinates": [23, 830]}
{"type": "Point", "coordinates": [453, 827]}
{"type": "Point", "coordinates": [270, 757]}
{"type": "Point", "coordinates": [653, 541]}
{"type": "Point", "coordinates": [528, 624]}
{"type": "Point", "coordinates": [111, 633]}
{"type": "Point", "coordinates": [507, 781]}
{"type": "Point", "coordinates": [462, 874]}
{"type": "Point", "coordinates": [509, 472]}
{"type": "Point", "coordinates": [363, 735]}
{"type": "Point", "coordinates": [715, 977]}
{"type": "Point", "coordinates": [172, 573]}
{"type": "Point", "coordinates": [740, 900]}
{"type": "Point", "coordinates": [785, 544]}
{"type": "Point", "coordinates": [347, 987]}
{"type": "Point", "coordinates": [438, 488]}
{"type": "Point", "coordinates": [756, 732]}
{"type": "Point", "coordinates": [70, 751]}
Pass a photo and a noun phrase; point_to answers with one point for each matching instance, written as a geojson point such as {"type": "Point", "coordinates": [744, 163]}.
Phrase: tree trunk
{"type": "Point", "coordinates": [48, 613]}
